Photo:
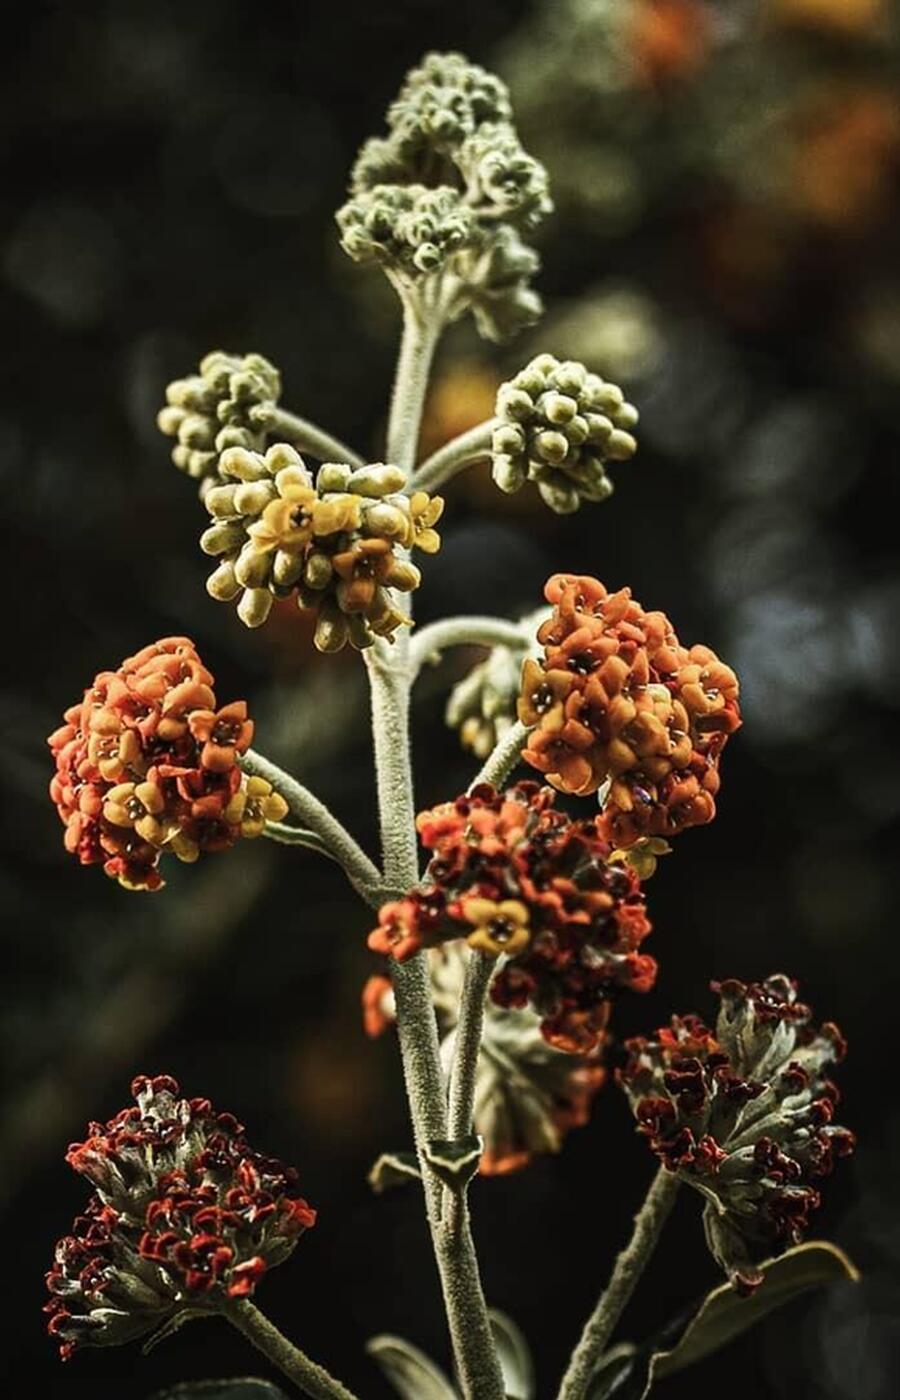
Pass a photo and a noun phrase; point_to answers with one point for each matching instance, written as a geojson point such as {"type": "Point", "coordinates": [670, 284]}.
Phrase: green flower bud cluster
{"type": "Point", "coordinates": [448, 192]}
{"type": "Point", "coordinates": [559, 427]}
{"type": "Point", "coordinates": [482, 706]}
{"type": "Point", "coordinates": [331, 541]}
{"type": "Point", "coordinates": [224, 405]}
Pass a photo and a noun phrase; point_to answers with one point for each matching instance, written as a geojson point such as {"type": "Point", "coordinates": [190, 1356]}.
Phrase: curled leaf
{"type": "Point", "coordinates": [514, 1357]}
{"type": "Point", "coordinates": [240, 1388]}
{"type": "Point", "coordinates": [456, 1162]}
{"type": "Point", "coordinates": [412, 1374]}
{"type": "Point", "coordinates": [394, 1169]}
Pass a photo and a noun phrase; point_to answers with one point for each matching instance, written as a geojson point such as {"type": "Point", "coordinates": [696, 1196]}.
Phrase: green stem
{"type": "Point", "coordinates": [421, 331]}
{"type": "Point", "coordinates": [285, 835]}
{"type": "Point", "coordinates": [362, 873]}
{"type": "Point", "coordinates": [457, 454]}
{"type": "Point", "coordinates": [628, 1268]}
{"type": "Point", "coordinates": [309, 437]}
{"type": "Point", "coordinates": [499, 764]}
{"type": "Point", "coordinates": [428, 643]}
{"type": "Point", "coordinates": [305, 1374]}
{"type": "Point", "coordinates": [469, 1027]}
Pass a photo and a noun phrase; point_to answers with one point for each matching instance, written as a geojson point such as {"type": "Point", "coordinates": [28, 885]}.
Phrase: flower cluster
{"type": "Point", "coordinates": [528, 1095]}
{"type": "Point", "coordinates": [514, 876]}
{"type": "Point", "coordinates": [744, 1115]}
{"type": "Point", "coordinates": [448, 192]}
{"type": "Point", "coordinates": [333, 540]}
{"type": "Point", "coordinates": [482, 706]}
{"type": "Point", "coordinates": [618, 704]}
{"type": "Point", "coordinates": [226, 404]}
{"type": "Point", "coordinates": [147, 764]}
{"type": "Point", "coordinates": [559, 425]}
{"type": "Point", "coordinates": [184, 1215]}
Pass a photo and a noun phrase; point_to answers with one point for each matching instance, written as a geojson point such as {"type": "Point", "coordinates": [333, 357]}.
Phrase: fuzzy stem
{"type": "Point", "coordinates": [421, 330]}
{"type": "Point", "coordinates": [499, 764]}
{"type": "Point", "coordinates": [629, 1266]}
{"type": "Point", "coordinates": [286, 835]}
{"type": "Point", "coordinates": [305, 1374]}
{"type": "Point", "coordinates": [455, 455]}
{"type": "Point", "coordinates": [479, 970]}
{"type": "Point", "coordinates": [362, 873]}
{"type": "Point", "coordinates": [428, 643]}
{"type": "Point", "coordinates": [310, 437]}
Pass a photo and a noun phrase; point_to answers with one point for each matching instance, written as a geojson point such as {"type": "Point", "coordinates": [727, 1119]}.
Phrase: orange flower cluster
{"type": "Point", "coordinates": [513, 876]}
{"type": "Point", "coordinates": [618, 704]}
{"type": "Point", "coordinates": [147, 764]}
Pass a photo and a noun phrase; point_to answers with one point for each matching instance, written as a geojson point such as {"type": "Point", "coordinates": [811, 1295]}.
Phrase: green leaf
{"type": "Point", "coordinates": [514, 1357]}
{"type": "Point", "coordinates": [718, 1319]}
{"type": "Point", "coordinates": [410, 1372]}
{"type": "Point", "coordinates": [241, 1388]}
{"type": "Point", "coordinates": [456, 1162]}
{"type": "Point", "coordinates": [394, 1169]}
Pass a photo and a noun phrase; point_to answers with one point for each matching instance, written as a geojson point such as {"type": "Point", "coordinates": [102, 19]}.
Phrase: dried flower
{"type": "Point", "coordinates": [744, 1115]}
{"type": "Point", "coordinates": [446, 195]}
{"type": "Point", "coordinates": [224, 405]}
{"type": "Point", "coordinates": [482, 706]}
{"type": "Point", "coordinates": [559, 426]}
{"type": "Point", "coordinates": [618, 704]}
{"type": "Point", "coordinates": [333, 541]}
{"type": "Point", "coordinates": [146, 765]}
{"type": "Point", "coordinates": [185, 1214]}
{"type": "Point", "coordinates": [513, 876]}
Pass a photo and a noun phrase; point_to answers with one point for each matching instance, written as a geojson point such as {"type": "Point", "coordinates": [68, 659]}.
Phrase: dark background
{"type": "Point", "coordinates": [725, 248]}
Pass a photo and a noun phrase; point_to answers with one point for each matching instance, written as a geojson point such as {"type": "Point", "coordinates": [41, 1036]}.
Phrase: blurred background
{"type": "Point", "coordinates": [726, 179]}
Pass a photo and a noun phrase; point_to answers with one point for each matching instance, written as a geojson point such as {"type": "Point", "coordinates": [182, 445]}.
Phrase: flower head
{"type": "Point", "coordinates": [333, 541]}
{"type": "Point", "coordinates": [224, 405]}
{"type": "Point", "coordinates": [482, 706]}
{"type": "Point", "coordinates": [618, 704]}
{"type": "Point", "coordinates": [146, 765]}
{"type": "Point", "coordinates": [744, 1115]}
{"type": "Point", "coordinates": [185, 1214]}
{"type": "Point", "coordinates": [559, 426]}
{"type": "Point", "coordinates": [514, 877]}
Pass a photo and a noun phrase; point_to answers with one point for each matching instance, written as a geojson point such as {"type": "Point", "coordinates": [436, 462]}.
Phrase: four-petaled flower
{"type": "Point", "coordinates": [499, 927]}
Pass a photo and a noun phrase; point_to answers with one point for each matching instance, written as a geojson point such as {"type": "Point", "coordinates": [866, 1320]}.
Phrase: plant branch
{"type": "Point", "coordinates": [362, 873]}
{"type": "Point", "coordinates": [479, 970]}
{"type": "Point", "coordinates": [628, 1268]}
{"type": "Point", "coordinates": [309, 436]}
{"type": "Point", "coordinates": [305, 1374]}
{"type": "Point", "coordinates": [455, 455]}
{"type": "Point", "coordinates": [285, 835]}
{"type": "Point", "coordinates": [421, 330]}
{"type": "Point", "coordinates": [499, 764]}
{"type": "Point", "coordinates": [428, 643]}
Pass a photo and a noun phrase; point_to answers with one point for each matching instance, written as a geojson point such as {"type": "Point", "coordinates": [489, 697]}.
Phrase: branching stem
{"type": "Point", "coordinates": [469, 1027]}
{"type": "Point", "coordinates": [310, 438]}
{"type": "Point", "coordinates": [499, 764]}
{"type": "Point", "coordinates": [305, 1374]}
{"type": "Point", "coordinates": [421, 330]}
{"type": "Point", "coordinates": [457, 454]}
{"type": "Point", "coordinates": [629, 1266]}
{"type": "Point", "coordinates": [428, 643]}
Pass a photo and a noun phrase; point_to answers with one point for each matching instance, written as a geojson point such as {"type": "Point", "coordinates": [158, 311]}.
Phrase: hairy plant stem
{"type": "Point", "coordinates": [629, 1266]}
{"type": "Point", "coordinates": [479, 970]}
{"type": "Point", "coordinates": [428, 643]}
{"type": "Point", "coordinates": [362, 873]}
{"type": "Point", "coordinates": [421, 331]}
{"type": "Point", "coordinates": [305, 1374]}
{"type": "Point", "coordinates": [455, 455]}
{"type": "Point", "coordinates": [311, 438]}
{"type": "Point", "coordinates": [502, 760]}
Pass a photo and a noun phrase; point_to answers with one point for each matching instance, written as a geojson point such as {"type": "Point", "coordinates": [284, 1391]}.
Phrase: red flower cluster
{"type": "Point", "coordinates": [743, 1114]}
{"type": "Point", "coordinates": [184, 1214]}
{"type": "Point", "coordinates": [146, 764]}
{"type": "Point", "coordinates": [618, 701]}
{"type": "Point", "coordinates": [512, 875]}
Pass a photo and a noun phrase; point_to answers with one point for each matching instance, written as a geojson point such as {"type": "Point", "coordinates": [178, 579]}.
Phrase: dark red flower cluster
{"type": "Point", "coordinates": [514, 876]}
{"type": "Point", "coordinates": [185, 1213]}
{"type": "Point", "coordinates": [744, 1114]}
{"type": "Point", "coordinates": [147, 764]}
{"type": "Point", "coordinates": [618, 704]}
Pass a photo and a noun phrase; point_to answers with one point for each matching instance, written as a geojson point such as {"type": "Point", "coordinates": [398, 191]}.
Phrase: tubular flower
{"type": "Point", "coordinates": [618, 704]}
{"type": "Point", "coordinates": [447, 193]}
{"type": "Point", "coordinates": [482, 706]}
{"type": "Point", "coordinates": [513, 876]}
{"type": "Point", "coordinates": [226, 404]}
{"type": "Point", "coordinates": [147, 765]}
{"type": "Point", "coordinates": [744, 1115]}
{"type": "Point", "coordinates": [559, 426]}
{"type": "Point", "coordinates": [184, 1215]}
{"type": "Point", "coordinates": [333, 540]}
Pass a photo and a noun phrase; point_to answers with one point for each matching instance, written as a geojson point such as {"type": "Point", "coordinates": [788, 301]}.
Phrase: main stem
{"type": "Point", "coordinates": [628, 1268]}
{"type": "Point", "coordinates": [309, 1377]}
